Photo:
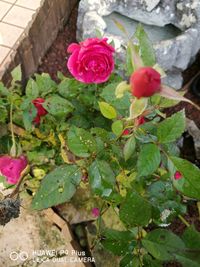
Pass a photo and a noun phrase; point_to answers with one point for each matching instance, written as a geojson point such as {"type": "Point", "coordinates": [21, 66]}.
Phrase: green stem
{"type": "Point", "coordinates": [183, 220]}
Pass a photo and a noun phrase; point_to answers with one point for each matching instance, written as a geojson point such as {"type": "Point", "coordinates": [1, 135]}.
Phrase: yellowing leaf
{"type": "Point", "coordinates": [107, 110]}
{"type": "Point", "coordinates": [121, 89]}
{"type": "Point", "coordinates": [137, 107]}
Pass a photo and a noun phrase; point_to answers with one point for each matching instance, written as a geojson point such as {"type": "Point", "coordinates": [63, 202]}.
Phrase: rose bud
{"type": "Point", "coordinates": [178, 175]}
{"type": "Point", "coordinates": [145, 82]}
{"type": "Point", "coordinates": [140, 120]}
{"type": "Point", "coordinates": [95, 212]}
{"type": "Point", "coordinates": [12, 168]}
{"type": "Point", "coordinates": [126, 132]}
{"type": "Point", "coordinates": [41, 111]}
{"type": "Point", "coordinates": [91, 61]}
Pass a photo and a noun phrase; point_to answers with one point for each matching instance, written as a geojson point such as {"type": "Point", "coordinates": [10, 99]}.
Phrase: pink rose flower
{"type": "Point", "coordinates": [178, 175]}
{"type": "Point", "coordinates": [91, 60]}
{"type": "Point", "coordinates": [145, 82]}
{"type": "Point", "coordinates": [12, 168]}
{"type": "Point", "coordinates": [95, 212]}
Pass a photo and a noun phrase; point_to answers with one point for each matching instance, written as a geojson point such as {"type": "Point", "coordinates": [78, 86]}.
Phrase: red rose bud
{"type": "Point", "coordinates": [126, 132]}
{"type": "Point", "coordinates": [145, 82]}
{"type": "Point", "coordinates": [41, 111]}
{"type": "Point", "coordinates": [177, 175]}
{"type": "Point", "coordinates": [140, 120]}
{"type": "Point", "coordinates": [12, 168]}
{"type": "Point", "coordinates": [95, 212]}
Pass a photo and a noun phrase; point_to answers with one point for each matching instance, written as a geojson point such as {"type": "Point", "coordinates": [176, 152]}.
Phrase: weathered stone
{"type": "Point", "coordinates": [194, 131]}
{"type": "Point", "coordinates": [176, 46]}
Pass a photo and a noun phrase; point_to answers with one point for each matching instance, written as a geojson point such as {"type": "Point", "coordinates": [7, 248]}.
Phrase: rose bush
{"type": "Point", "coordinates": [113, 139]}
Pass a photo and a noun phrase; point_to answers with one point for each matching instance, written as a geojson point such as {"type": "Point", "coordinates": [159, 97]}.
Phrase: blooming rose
{"type": "Point", "coordinates": [178, 175]}
{"type": "Point", "coordinates": [12, 168]}
{"type": "Point", "coordinates": [91, 60]}
{"type": "Point", "coordinates": [145, 82]}
{"type": "Point", "coordinates": [41, 111]}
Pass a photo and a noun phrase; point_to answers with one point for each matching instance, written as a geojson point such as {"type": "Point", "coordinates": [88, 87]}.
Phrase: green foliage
{"type": "Point", "coordinates": [80, 142]}
{"type": "Point", "coordinates": [189, 185]}
{"type": "Point", "coordinates": [171, 128]}
{"type": "Point", "coordinates": [148, 160]}
{"type": "Point", "coordinates": [107, 110]}
{"type": "Point", "coordinates": [145, 46]}
{"type": "Point", "coordinates": [131, 215]}
{"type": "Point", "coordinates": [57, 187]}
{"type": "Point", "coordinates": [129, 148]}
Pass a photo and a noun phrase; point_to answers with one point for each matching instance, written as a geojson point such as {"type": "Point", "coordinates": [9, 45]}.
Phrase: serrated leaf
{"type": "Point", "coordinates": [80, 142]}
{"type": "Point", "coordinates": [129, 148]}
{"type": "Point", "coordinates": [171, 128]}
{"type": "Point", "coordinates": [130, 210]}
{"type": "Point", "coordinates": [148, 160]}
{"type": "Point", "coordinates": [57, 187]}
{"type": "Point", "coordinates": [117, 242]}
{"type": "Point", "coordinates": [117, 127]}
{"type": "Point", "coordinates": [145, 46]}
{"type": "Point", "coordinates": [162, 244]}
{"type": "Point", "coordinates": [58, 106]}
{"type": "Point", "coordinates": [107, 110]}
{"type": "Point", "coordinates": [137, 107]}
{"type": "Point", "coordinates": [189, 185]}
{"type": "Point", "coordinates": [101, 178]}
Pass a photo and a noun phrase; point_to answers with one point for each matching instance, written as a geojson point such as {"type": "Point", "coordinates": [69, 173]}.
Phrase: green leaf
{"type": "Point", "coordinates": [57, 187]}
{"type": "Point", "coordinates": [58, 106]}
{"type": "Point", "coordinates": [45, 84]}
{"type": "Point", "coordinates": [80, 142]}
{"type": "Point", "coordinates": [148, 160]}
{"type": "Point", "coordinates": [138, 106]}
{"type": "Point", "coordinates": [163, 244]}
{"type": "Point", "coordinates": [121, 88]}
{"type": "Point", "coordinates": [32, 90]}
{"type": "Point", "coordinates": [107, 110]}
{"type": "Point", "coordinates": [3, 90]}
{"type": "Point", "coordinates": [17, 73]}
{"type": "Point", "coordinates": [130, 260]}
{"type": "Point", "coordinates": [171, 128]}
{"type": "Point", "coordinates": [129, 148]}
{"type": "Point", "coordinates": [101, 178]}
{"type": "Point", "coordinates": [145, 46]}
{"type": "Point", "coordinates": [117, 127]}
{"type": "Point", "coordinates": [130, 210]}
{"type": "Point", "coordinates": [191, 238]}
{"type": "Point", "coordinates": [117, 242]}
{"type": "Point", "coordinates": [189, 185]}
{"type": "Point", "coordinates": [69, 88]}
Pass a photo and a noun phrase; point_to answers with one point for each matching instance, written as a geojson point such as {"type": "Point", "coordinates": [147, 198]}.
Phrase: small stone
{"type": "Point", "coordinates": [9, 209]}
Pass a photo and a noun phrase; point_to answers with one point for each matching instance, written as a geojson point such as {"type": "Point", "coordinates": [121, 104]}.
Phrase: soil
{"type": "Point", "coordinates": [55, 60]}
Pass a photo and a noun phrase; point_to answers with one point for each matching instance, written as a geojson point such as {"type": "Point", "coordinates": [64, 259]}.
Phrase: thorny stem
{"type": "Point", "coordinates": [16, 190]}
